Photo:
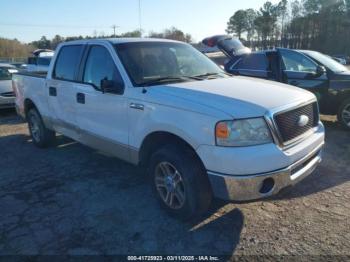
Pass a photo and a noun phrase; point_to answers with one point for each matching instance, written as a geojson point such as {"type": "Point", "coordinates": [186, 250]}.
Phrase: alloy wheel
{"type": "Point", "coordinates": [34, 127]}
{"type": "Point", "coordinates": [170, 185]}
{"type": "Point", "coordinates": [345, 114]}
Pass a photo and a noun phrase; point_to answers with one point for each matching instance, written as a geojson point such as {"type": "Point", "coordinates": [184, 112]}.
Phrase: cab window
{"type": "Point", "coordinates": [253, 62]}
{"type": "Point", "coordinates": [67, 62]}
{"type": "Point", "coordinates": [100, 66]}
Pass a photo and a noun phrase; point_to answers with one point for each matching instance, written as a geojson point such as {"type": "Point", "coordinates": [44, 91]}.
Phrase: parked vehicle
{"type": "Point", "coordinates": [40, 61]}
{"type": "Point", "coordinates": [164, 105]}
{"type": "Point", "coordinates": [344, 57]}
{"type": "Point", "coordinates": [7, 97]}
{"type": "Point", "coordinates": [313, 71]}
{"type": "Point", "coordinates": [18, 65]}
{"type": "Point", "coordinates": [339, 60]}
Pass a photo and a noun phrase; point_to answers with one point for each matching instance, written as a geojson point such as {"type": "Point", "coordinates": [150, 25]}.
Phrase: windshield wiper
{"type": "Point", "coordinates": [208, 75]}
{"type": "Point", "coordinates": [164, 79]}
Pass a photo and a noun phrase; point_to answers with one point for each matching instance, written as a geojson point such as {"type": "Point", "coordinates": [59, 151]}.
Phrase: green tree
{"type": "Point", "coordinates": [56, 41]}
{"type": "Point", "coordinates": [43, 43]}
{"type": "Point", "coordinates": [172, 33]}
{"type": "Point", "coordinates": [135, 33]}
{"type": "Point", "coordinates": [237, 23]}
{"type": "Point", "coordinates": [251, 16]}
{"type": "Point", "coordinates": [265, 22]}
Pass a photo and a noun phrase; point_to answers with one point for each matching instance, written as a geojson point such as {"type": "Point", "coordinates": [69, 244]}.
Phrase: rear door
{"type": "Point", "coordinates": [301, 71]}
{"type": "Point", "coordinates": [254, 65]}
{"type": "Point", "coordinates": [61, 90]}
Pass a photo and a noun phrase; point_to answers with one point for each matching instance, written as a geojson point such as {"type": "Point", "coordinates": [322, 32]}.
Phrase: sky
{"type": "Point", "coordinates": [28, 20]}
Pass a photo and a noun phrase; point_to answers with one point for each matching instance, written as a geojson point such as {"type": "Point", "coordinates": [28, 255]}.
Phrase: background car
{"type": "Point", "coordinates": [311, 70]}
{"type": "Point", "coordinates": [339, 60]}
{"type": "Point", "coordinates": [7, 96]}
{"type": "Point", "coordinates": [344, 57]}
{"type": "Point", "coordinates": [39, 62]}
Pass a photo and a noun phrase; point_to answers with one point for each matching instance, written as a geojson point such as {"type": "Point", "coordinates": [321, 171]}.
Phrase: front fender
{"type": "Point", "coordinates": [193, 127]}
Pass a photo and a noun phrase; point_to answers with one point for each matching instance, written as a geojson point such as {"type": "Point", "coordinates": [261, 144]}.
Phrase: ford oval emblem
{"type": "Point", "coordinates": [303, 120]}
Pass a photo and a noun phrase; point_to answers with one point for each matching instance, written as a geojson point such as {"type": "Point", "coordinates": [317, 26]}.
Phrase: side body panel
{"type": "Point", "coordinates": [34, 89]}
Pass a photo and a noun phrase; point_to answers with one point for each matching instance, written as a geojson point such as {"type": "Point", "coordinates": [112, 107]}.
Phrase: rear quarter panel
{"type": "Point", "coordinates": [33, 88]}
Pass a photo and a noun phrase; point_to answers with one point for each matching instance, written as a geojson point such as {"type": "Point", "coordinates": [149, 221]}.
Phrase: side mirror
{"type": "Point", "coordinates": [320, 70]}
{"type": "Point", "coordinates": [113, 87]}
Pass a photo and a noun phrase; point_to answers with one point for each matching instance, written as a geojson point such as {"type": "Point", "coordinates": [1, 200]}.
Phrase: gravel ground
{"type": "Point", "coordinates": [70, 199]}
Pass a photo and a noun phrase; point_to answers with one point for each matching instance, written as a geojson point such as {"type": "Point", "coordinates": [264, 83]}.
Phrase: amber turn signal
{"type": "Point", "coordinates": [222, 130]}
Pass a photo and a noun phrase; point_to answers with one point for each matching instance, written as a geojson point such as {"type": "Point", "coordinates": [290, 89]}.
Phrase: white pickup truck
{"type": "Point", "coordinates": [164, 105]}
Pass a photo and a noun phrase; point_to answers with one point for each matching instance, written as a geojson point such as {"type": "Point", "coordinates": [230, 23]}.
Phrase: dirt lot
{"type": "Point", "coordinates": [70, 199]}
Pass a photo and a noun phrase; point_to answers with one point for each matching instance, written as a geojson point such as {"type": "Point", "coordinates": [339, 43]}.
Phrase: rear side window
{"type": "Point", "coordinates": [253, 62]}
{"type": "Point", "coordinates": [67, 63]}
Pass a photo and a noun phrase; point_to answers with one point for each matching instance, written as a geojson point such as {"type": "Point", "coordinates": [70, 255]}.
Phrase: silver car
{"type": "Point", "coordinates": [7, 96]}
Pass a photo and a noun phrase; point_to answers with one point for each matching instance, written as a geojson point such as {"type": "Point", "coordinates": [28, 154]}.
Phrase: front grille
{"type": "Point", "coordinates": [287, 122]}
{"type": "Point", "coordinates": [8, 94]}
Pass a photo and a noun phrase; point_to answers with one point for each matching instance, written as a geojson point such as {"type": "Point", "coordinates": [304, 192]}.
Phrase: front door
{"type": "Point", "coordinates": [301, 71]}
{"type": "Point", "coordinates": [102, 116]}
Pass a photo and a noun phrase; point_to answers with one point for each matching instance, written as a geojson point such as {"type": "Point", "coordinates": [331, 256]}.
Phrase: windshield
{"type": "Point", "coordinates": [326, 61]}
{"type": "Point", "coordinates": [6, 73]}
{"type": "Point", "coordinates": [149, 61]}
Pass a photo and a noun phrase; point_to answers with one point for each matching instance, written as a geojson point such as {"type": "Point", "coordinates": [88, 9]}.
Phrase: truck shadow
{"type": "Point", "coordinates": [75, 200]}
{"type": "Point", "coordinates": [9, 117]}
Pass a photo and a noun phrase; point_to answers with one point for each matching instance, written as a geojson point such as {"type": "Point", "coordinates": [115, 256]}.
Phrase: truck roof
{"type": "Point", "coordinates": [120, 40]}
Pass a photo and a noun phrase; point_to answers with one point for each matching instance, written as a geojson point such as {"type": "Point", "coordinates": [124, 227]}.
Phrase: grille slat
{"type": "Point", "coordinates": [8, 94]}
{"type": "Point", "coordinates": [287, 122]}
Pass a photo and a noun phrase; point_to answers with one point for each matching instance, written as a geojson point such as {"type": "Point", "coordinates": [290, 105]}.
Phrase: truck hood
{"type": "Point", "coordinates": [240, 97]}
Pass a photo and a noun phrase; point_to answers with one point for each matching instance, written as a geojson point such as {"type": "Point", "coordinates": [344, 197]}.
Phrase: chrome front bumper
{"type": "Point", "coordinates": [242, 188]}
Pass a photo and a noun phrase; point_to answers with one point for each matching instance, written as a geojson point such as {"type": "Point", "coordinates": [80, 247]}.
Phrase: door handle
{"type": "Point", "coordinates": [81, 98]}
{"type": "Point", "coordinates": [52, 91]}
{"type": "Point", "coordinates": [137, 106]}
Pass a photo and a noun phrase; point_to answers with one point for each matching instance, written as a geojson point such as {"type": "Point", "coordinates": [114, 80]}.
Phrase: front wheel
{"type": "Point", "coordinates": [41, 136]}
{"type": "Point", "coordinates": [344, 114]}
{"type": "Point", "coordinates": [180, 182]}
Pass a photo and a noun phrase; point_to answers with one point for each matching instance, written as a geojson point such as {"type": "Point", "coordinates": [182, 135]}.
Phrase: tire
{"type": "Point", "coordinates": [344, 114]}
{"type": "Point", "coordinates": [190, 179]}
{"type": "Point", "coordinates": [41, 136]}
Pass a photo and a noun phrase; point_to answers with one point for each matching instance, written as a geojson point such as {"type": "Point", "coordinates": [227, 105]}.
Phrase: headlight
{"type": "Point", "coordinates": [242, 132]}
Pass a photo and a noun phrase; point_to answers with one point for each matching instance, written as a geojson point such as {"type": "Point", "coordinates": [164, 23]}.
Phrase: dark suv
{"type": "Point", "coordinates": [311, 70]}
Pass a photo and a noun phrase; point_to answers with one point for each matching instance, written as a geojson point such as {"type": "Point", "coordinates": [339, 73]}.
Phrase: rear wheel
{"type": "Point", "coordinates": [180, 182]}
{"type": "Point", "coordinates": [344, 114]}
{"type": "Point", "coordinates": [41, 136]}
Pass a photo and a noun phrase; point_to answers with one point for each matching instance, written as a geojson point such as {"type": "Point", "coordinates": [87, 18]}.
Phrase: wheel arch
{"type": "Point", "coordinates": [28, 104]}
{"type": "Point", "coordinates": [158, 139]}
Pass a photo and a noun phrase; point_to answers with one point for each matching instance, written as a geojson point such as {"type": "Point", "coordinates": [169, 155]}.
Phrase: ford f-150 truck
{"type": "Point", "coordinates": [164, 105]}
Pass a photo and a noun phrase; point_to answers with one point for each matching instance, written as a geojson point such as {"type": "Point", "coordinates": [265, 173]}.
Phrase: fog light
{"type": "Point", "coordinates": [267, 185]}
